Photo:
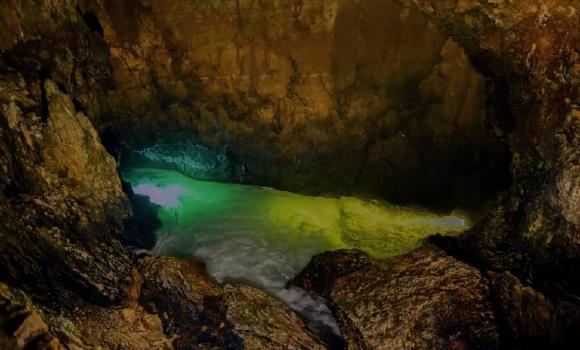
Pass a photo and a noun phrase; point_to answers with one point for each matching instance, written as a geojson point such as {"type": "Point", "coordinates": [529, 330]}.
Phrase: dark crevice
{"type": "Point", "coordinates": [139, 230]}
{"type": "Point", "coordinates": [62, 87]}
{"type": "Point", "coordinates": [79, 106]}
{"type": "Point", "coordinates": [92, 21]}
{"type": "Point", "coordinates": [500, 119]}
{"type": "Point", "coordinates": [44, 74]}
{"type": "Point", "coordinates": [15, 322]}
{"type": "Point", "coordinates": [110, 141]}
{"type": "Point", "coordinates": [11, 191]}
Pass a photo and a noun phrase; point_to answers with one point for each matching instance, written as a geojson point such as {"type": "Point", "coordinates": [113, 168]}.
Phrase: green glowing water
{"type": "Point", "coordinates": [265, 237]}
{"type": "Point", "coordinates": [278, 217]}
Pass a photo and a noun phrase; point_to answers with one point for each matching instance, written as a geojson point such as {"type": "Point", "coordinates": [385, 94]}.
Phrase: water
{"type": "Point", "coordinates": [264, 237]}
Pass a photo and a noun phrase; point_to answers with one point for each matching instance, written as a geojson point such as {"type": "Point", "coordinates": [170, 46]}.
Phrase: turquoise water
{"type": "Point", "coordinates": [265, 237]}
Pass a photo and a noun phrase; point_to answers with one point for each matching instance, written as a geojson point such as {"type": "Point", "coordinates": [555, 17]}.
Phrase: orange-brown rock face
{"type": "Point", "coordinates": [535, 46]}
{"type": "Point", "coordinates": [317, 96]}
{"type": "Point", "coordinates": [421, 300]}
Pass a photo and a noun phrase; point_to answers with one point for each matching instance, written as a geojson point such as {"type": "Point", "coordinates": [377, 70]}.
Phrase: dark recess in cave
{"type": "Point", "coordinates": [139, 231]}
{"type": "Point", "coordinates": [92, 21]}
{"type": "Point", "coordinates": [43, 75]}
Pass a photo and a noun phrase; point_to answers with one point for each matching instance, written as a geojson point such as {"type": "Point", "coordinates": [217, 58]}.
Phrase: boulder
{"type": "Point", "coordinates": [324, 269]}
{"type": "Point", "coordinates": [263, 322]}
{"type": "Point", "coordinates": [422, 300]}
{"type": "Point", "coordinates": [189, 302]}
{"type": "Point", "coordinates": [21, 326]}
{"type": "Point", "coordinates": [531, 320]}
{"type": "Point", "coordinates": [199, 313]}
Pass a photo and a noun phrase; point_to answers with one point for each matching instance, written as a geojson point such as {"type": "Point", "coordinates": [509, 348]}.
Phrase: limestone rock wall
{"type": "Point", "coordinates": [535, 47]}
{"type": "Point", "coordinates": [315, 96]}
{"type": "Point", "coordinates": [61, 200]}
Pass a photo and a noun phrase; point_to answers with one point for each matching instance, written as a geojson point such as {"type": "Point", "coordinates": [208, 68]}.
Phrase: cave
{"type": "Point", "coordinates": [293, 174]}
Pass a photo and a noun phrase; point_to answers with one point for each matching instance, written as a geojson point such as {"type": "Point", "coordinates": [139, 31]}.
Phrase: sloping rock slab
{"type": "Point", "coordinates": [263, 322]}
{"type": "Point", "coordinates": [189, 302]}
{"type": "Point", "coordinates": [531, 320]}
{"type": "Point", "coordinates": [325, 268]}
{"type": "Point", "coordinates": [422, 300]}
{"type": "Point", "coordinates": [200, 314]}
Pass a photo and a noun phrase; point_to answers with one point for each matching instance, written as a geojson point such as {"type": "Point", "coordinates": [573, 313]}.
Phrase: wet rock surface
{"type": "Point", "coordinates": [324, 269]}
{"type": "Point", "coordinates": [422, 300]}
{"type": "Point", "coordinates": [531, 320]}
{"type": "Point", "coordinates": [62, 203]}
{"type": "Point", "coordinates": [190, 302]}
{"type": "Point", "coordinates": [263, 322]}
{"type": "Point", "coordinates": [200, 313]}
{"type": "Point", "coordinates": [170, 304]}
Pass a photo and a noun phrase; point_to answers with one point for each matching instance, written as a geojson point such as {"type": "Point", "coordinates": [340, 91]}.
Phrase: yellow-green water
{"type": "Point", "coordinates": [265, 236]}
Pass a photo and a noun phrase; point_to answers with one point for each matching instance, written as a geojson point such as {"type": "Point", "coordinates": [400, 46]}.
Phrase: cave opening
{"type": "Point", "coordinates": [369, 174]}
{"type": "Point", "coordinates": [326, 148]}
{"type": "Point", "coordinates": [209, 202]}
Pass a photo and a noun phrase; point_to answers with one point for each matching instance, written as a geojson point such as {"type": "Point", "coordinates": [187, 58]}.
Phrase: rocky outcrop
{"type": "Point", "coordinates": [422, 300]}
{"type": "Point", "coordinates": [531, 320]}
{"type": "Point", "coordinates": [199, 313]}
{"type": "Point", "coordinates": [21, 326]}
{"type": "Point", "coordinates": [62, 203]}
{"type": "Point", "coordinates": [263, 322]}
{"type": "Point", "coordinates": [190, 302]}
{"type": "Point", "coordinates": [532, 47]}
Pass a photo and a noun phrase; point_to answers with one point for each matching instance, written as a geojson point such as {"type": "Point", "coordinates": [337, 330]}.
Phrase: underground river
{"type": "Point", "coordinates": [264, 237]}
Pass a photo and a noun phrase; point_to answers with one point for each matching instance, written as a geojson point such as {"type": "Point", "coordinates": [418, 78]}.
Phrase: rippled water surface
{"type": "Point", "coordinates": [265, 237]}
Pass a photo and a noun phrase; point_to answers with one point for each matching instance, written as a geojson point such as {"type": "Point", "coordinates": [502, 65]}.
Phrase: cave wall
{"type": "Point", "coordinates": [336, 97]}
{"type": "Point", "coordinates": [61, 201]}
{"type": "Point", "coordinates": [66, 64]}
{"type": "Point", "coordinates": [535, 47]}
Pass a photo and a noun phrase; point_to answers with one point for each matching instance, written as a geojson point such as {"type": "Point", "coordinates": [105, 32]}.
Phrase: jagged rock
{"type": "Point", "coordinates": [422, 300]}
{"type": "Point", "coordinates": [324, 269]}
{"type": "Point", "coordinates": [21, 326]}
{"type": "Point", "coordinates": [262, 322]}
{"type": "Point", "coordinates": [93, 327]}
{"type": "Point", "coordinates": [181, 290]}
{"type": "Point", "coordinates": [531, 320]}
{"type": "Point", "coordinates": [189, 302]}
{"type": "Point", "coordinates": [66, 206]}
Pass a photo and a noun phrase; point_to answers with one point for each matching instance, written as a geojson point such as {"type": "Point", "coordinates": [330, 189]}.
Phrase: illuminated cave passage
{"type": "Point", "coordinates": [257, 141]}
{"type": "Point", "coordinates": [265, 237]}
